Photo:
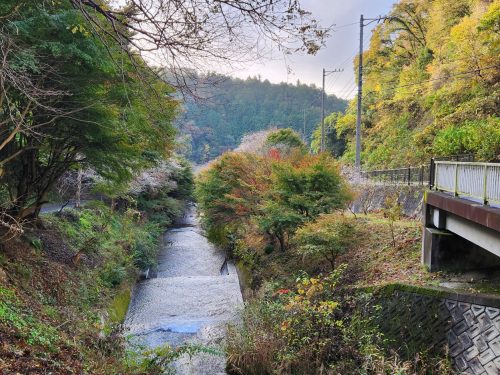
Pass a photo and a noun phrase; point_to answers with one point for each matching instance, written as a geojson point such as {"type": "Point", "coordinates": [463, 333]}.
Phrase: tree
{"type": "Point", "coordinates": [242, 192]}
{"type": "Point", "coordinates": [200, 33]}
{"type": "Point", "coordinates": [300, 191]}
{"type": "Point", "coordinates": [335, 144]}
{"type": "Point", "coordinates": [285, 141]}
{"type": "Point", "coordinates": [431, 77]}
{"type": "Point", "coordinates": [115, 119]}
{"type": "Point", "coordinates": [230, 192]}
{"type": "Point", "coordinates": [279, 222]}
{"type": "Point", "coordinates": [236, 107]}
{"type": "Point", "coordinates": [328, 236]}
{"type": "Point", "coordinates": [310, 186]}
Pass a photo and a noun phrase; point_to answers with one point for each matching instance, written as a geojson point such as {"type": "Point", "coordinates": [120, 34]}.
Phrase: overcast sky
{"type": "Point", "coordinates": [339, 52]}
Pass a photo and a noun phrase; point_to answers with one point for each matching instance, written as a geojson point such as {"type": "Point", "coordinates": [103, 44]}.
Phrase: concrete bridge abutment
{"type": "Point", "coordinates": [459, 235]}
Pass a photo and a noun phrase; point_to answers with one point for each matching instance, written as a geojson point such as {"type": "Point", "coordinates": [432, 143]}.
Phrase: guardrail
{"type": "Point", "coordinates": [473, 180]}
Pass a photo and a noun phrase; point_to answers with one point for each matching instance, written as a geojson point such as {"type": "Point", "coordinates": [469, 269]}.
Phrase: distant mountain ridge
{"type": "Point", "coordinates": [237, 107]}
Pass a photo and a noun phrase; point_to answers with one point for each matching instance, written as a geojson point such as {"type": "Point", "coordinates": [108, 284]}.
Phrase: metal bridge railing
{"type": "Point", "coordinates": [473, 180]}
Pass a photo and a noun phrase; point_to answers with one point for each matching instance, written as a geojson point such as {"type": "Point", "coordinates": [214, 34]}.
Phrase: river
{"type": "Point", "coordinates": [191, 298]}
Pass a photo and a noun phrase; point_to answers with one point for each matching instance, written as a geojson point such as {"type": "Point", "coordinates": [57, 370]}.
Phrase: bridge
{"type": "Point", "coordinates": [462, 216]}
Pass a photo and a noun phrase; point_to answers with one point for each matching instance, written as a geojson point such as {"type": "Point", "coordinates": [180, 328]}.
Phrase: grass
{"type": "Point", "coordinates": [374, 260]}
{"type": "Point", "coordinates": [371, 260]}
{"type": "Point", "coordinates": [66, 290]}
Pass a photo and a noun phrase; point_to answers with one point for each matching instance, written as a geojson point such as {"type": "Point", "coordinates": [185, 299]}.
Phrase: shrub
{"type": "Point", "coordinates": [230, 192]}
{"type": "Point", "coordinates": [113, 274]}
{"type": "Point", "coordinates": [289, 330]}
{"type": "Point", "coordinates": [239, 191]}
{"type": "Point", "coordinates": [284, 140]}
{"type": "Point", "coordinates": [329, 236]}
{"type": "Point", "coordinates": [145, 249]}
{"type": "Point", "coordinates": [470, 137]}
{"type": "Point", "coordinates": [279, 222]}
{"type": "Point", "coordinates": [310, 185]}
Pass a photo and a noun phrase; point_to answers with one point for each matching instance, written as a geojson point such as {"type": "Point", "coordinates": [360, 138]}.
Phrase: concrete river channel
{"type": "Point", "coordinates": [190, 299]}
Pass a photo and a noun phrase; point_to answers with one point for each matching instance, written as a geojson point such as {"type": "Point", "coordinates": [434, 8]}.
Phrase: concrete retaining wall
{"type": "Point", "coordinates": [467, 326]}
{"type": "Point", "coordinates": [373, 198]}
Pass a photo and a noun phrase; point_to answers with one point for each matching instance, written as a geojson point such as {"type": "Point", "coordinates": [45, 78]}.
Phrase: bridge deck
{"type": "Point", "coordinates": [478, 213]}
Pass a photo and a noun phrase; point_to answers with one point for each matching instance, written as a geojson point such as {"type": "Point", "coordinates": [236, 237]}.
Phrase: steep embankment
{"type": "Point", "coordinates": [65, 287]}
{"type": "Point", "coordinates": [431, 84]}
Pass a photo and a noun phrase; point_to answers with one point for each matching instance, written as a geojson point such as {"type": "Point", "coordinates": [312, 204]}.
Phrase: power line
{"type": "Point", "coordinates": [335, 28]}
{"type": "Point", "coordinates": [325, 73]}
{"type": "Point", "coordinates": [349, 92]}
{"type": "Point", "coordinates": [447, 77]}
{"type": "Point", "coordinates": [344, 62]}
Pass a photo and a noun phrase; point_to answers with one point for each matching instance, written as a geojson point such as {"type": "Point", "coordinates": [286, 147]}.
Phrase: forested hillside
{"type": "Point", "coordinates": [236, 107]}
{"type": "Point", "coordinates": [431, 84]}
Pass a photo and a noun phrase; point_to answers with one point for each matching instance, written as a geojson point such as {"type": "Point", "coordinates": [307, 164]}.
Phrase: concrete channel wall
{"type": "Point", "coordinates": [466, 326]}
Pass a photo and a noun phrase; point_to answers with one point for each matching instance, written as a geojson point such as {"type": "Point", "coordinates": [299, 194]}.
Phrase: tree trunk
{"type": "Point", "coordinates": [281, 240]}
{"type": "Point", "coordinates": [78, 189]}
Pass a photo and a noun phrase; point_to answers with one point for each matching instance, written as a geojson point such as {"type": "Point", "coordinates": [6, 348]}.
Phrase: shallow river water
{"type": "Point", "coordinates": [191, 298]}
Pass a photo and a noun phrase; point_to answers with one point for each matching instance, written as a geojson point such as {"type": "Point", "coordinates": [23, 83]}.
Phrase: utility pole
{"type": "Point", "coordinates": [325, 73]}
{"type": "Point", "coordinates": [322, 146]}
{"type": "Point", "coordinates": [360, 93]}
{"type": "Point", "coordinates": [360, 83]}
{"type": "Point", "coordinates": [304, 126]}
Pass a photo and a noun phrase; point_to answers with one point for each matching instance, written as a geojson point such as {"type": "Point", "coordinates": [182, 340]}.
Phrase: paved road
{"type": "Point", "coordinates": [55, 207]}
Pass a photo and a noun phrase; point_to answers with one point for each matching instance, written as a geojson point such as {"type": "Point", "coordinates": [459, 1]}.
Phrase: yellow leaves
{"type": "Point", "coordinates": [327, 306]}
{"type": "Point", "coordinates": [314, 289]}
{"type": "Point", "coordinates": [285, 325]}
{"type": "Point", "coordinates": [79, 28]}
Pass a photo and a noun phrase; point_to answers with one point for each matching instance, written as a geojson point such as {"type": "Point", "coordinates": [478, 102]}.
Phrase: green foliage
{"type": "Point", "coordinates": [27, 326]}
{"type": "Point", "coordinates": [334, 141]}
{"type": "Point", "coordinates": [121, 241]}
{"type": "Point", "coordinates": [261, 200]}
{"type": "Point", "coordinates": [430, 85]}
{"type": "Point", "coordinates": [97, 105]}
{"type": "Point", "coordinates": [393, 212]}
{"type": "Point", "coordinates": [328, 236]}
{"type": "Point", "coordinates": [165, 199]}
{"type": "Point", "coordinates": [238, 107]}
{"type": "Point", "coordinates": [296, 330]}
{"type": "Point", "coordinates": [279, 221]}
{"type": "Point", "coordinates": [160, 207]}
{"type": "Point", "coordinates": [284, 140]}
{"type": "Point", "coordinates": [481, 137]}
{"type": "Point", "coordinates": [113, 274]}
{"type": "Point", "coordinates": [231, 190]}
{"type": "Point", "coordinates": [184, 179]}
{"type": "Point", "coordinates": [310, 187]}
{"type": "Point", "coordinates": [315, 326]}
{"type": "Point", "coordinates": [145, 247]}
